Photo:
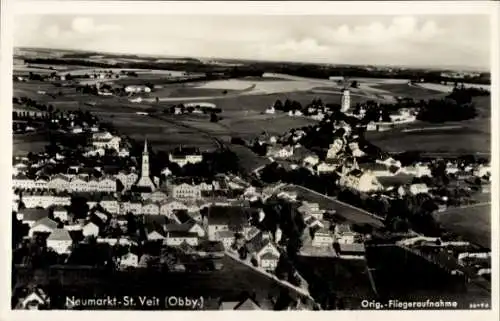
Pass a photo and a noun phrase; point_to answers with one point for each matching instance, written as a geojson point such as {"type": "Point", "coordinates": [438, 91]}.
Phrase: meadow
{"type": "Point", "coordinates": [472, 223]}
{"type": "Point", "coordinates": [468, 136]}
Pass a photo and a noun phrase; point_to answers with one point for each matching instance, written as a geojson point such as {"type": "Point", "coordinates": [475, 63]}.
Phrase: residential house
{"type": "Point", "coordinates": [43, 225]}
{"type": "Point", "coordinates": [264, 251]}
{"type": "Point", "coordinates": [110, 204]}
{"type": "Point", "coordinates": [389, 161]}
{"type": "Point", "coordinates": [418, 189]}
{"type": "Point", "coordinates": [312, 222]}
{"type": "Point", "coordinates": [176, 238]}
{"type": "Point", "coordinates": [417, 170]}
{"type": "Point", "coordinates": [90, 229]}
{"type": "Point", "coordinates": [279, 151]}
{"type": "Point", "coordinates": [482, 170]}
{"type": "Point", "coordinates": [167, 208]}
{"type": "Point", "coordinates": [322, 238]}
{"type": "Point", "coordinates": [109, 142]}
{"type": "Point", "coordinates": [154, 232]}
{"type": "Point", "coordinates": [123, 152]}
{"type": "Point", "coordinates": [23, 182]}
{"type": "Point", "coordinates": [129, 260]}
{"type": "Point", "coordinates": [59, 182]}
{"type": "Point", "coordinates": [226, 218]}
{"type": "Point", "coordinates": [31, 215]}
{"type": "Point", "coordinates": [379, 169]}
{"type": "Point", "coordinates": [311, 209]}
{"type": "Point", "coordinates": [151, 208]}
{"type": "Point", "coordinates": [127, 179]}
{"type": "Point", "coordinates": [60, 241]}
{"type": "Point", "coordinates": [311, 160]}
{"type": "Point", "coordinates": [326, 167]}
{"type": "Point", "coordinates": [335, 148]}
{"type": "Point", "coordinates": [361, 181]}
{"type": "Point", "coordinates": [226, 237]}
{"type": "Point", "coordinates": [344, 234]}
{"type": "Point", "coordinates": [36, 299]}
{"type": "Point", "coordinates": [186, 191]}
{"type": "Point", "coordinates": [61, 213]}
{"type": "Point", "coordinates": [248, 304]}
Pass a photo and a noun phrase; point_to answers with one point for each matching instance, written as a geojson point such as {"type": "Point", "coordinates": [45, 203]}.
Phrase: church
{"type": "Point", "coordinates": [145, 183]}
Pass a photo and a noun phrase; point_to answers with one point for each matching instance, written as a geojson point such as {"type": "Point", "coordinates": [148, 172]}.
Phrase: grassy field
{"type": "Point", "coordinates": [473, 223]}
{"type": "Point", "coordinates": [470, 136]}
{"type": "Point", "coordinates": [404, 90]}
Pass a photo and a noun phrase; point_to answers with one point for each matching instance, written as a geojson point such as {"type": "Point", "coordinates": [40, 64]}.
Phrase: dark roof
{"type": "Point", "coordinates": [181, 234]}
{"type": "Point", "coordinates": [34, 214]}
{"type": "Point", "coordinates": [373, 166]}
{"type": "Point", "coordinates": [154, 228]}
{"type": "Point", "coordinates": [269, 256]}
{"type": "Point", "coordinates": [234, 216]}
{"type": "Point", "coordinates": [174, 227]}
{"type": "Point", "coordinates": [257, 242]}
{"type": "Point", "coordinates": [156, 219]}
{"type": "Point", "coordinates": [183, 151]}
{"type": "Point", "coordinates": [211, 246]}
{"type": "Point", "coordinates": [183, 216]}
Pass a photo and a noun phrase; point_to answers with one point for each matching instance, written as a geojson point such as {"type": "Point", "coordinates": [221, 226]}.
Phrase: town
{"type": "Point", "coordinates": [300, 209]}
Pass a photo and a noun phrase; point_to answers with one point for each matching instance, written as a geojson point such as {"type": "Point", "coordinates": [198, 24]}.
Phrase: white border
{"type": "Point", "coordinates": [9, 8]}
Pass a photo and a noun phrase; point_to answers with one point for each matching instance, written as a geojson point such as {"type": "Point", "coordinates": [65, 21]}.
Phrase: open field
{"type": "Point", "coordinates": [473, 223]}
{"type": "Point", "coordinates": [25, 143]}
{"type": "Point", "coordinates": [415, 92]}
{"type": "Point", "coordinates": [468, 136]}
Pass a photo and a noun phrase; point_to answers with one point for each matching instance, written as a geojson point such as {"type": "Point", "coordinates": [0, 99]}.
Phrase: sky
{"type": "Point", "coordinates": [419, 41]}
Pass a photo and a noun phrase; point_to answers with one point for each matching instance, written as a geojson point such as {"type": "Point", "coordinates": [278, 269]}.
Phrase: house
{"type": "Point", "coordinates": [76, 130]}
{"type": "Point", "coordinates": [150, 208]}
{"type": "Point", "coordinates": [326, 167]}
{"type": "Point", "coordinates": [60, 241]}
{"type": "Point", "coordinates": [334, 148]}
{"type": "Point", "coordinates": [35, 300]}
{"type": "Point", "coordinates": [168, 207]}
{"type": "Point", "coordinates": [279, 151]}
{"type": "Point", "coordinates": [129, 260]}
{"type": "Point", "coordinates": [154, 232]}
{"type": "Point", "coordinates": [186, 191]}
{"type": "Point", "coordinates": [176, 238]}
{"type": "Point", "coordinates": [90, 229]}
{"type": "Point", "coordinates": [269, 261]}
{"type": "Point", "coordinates": [61, 213]}
{"type": "Point", "coordinates": [379, 169]}
{"type": "Point", "coordinates": [43, 225]}
{"type": "Point", "coordinates": [344, 234]}
{"type": "Point", "coordinates": [183, 156]}
{"type": "Point", "coordinates": [482, 170]}
{"type": "Point", "coordinates": [312, 222]}
{"type": "Point", "coordinates": [107, 141]}
{"type": "Point", "coordinates": [361, 181]}
{"type": "Point", "coordinates": [123, 152]}
{"type": "Point", "coordinates": [23, 182]}
{"type": "Point", "coordinates": [226, 237]}
{"type": "Point", "coordinates": [226, 218]}
{"type": "Point", "coordinates": [248, 304]}
{"type": "Point", "coordinates": [31, 215]}
{"type": "Point", "coordinates": [310, 160]}
{"type": "Point", "coordinates": [418, 189]}
{"type": "Point", "coordinates": [417, 170]}
{"type": "Point", "coordinates": [270, 110]}
{"type": "Point", "coordinates": [322, 238]}
{"type": "Point", "coordinates": [110, 204]}
{"type": "Point", "coordinates": [311, 209]}
{"type": "Point", "coordinates": [262, 248]}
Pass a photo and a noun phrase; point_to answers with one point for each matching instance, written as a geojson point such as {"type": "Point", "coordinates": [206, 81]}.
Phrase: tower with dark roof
{"type": "Point", "coordinates": [145, 179]}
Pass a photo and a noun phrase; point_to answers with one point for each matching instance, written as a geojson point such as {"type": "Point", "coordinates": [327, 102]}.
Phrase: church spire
{"type": "Point", "coordinates": [145, 146]}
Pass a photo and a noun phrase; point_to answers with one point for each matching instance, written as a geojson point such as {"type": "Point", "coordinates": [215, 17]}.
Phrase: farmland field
{"type": "Point", "coordinates": [473, 223]}
{"type": "Point", "coordinates": [468, 136]}
{"type": "Point", "coordinates": [415, 92]}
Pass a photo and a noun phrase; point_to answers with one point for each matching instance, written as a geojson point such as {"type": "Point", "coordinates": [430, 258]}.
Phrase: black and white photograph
{"type": "Point", "coordinates": [277, 162]}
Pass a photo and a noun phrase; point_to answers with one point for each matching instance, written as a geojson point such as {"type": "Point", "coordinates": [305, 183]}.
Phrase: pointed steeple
{"type": "Point", "coordinates": [145, 146]}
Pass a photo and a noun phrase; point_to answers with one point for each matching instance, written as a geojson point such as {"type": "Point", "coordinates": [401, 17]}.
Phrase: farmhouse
{"type": "Point", "coordinates": [60, 241]}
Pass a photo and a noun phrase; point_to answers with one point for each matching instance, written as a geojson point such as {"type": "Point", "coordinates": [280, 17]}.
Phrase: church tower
{"type": "Point", "coordinates": [145, 160]}
{"type": "Point", "coordinates": [145, 179]}
{"type": "Point", "coordinates": [346, 100]}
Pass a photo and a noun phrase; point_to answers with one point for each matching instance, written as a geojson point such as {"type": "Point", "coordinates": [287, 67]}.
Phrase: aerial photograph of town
{"type": "Point", "coordinates": [251, 162]}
